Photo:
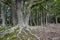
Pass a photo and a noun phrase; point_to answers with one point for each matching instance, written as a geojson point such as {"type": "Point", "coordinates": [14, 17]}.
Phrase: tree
{"type": "Point", "coordinates": [13, 11]}
{"type": "Point", "coordinates": [3, 14]}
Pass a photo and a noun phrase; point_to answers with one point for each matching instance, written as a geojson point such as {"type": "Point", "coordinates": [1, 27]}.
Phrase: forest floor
{"type": "Point", "coordinates": [47, 32]}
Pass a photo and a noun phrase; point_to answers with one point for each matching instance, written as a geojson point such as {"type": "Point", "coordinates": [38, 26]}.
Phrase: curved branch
{"type": "Point", "coordinates": [31, 5]}
{"type": "Point", "coordinates": [3, 2]}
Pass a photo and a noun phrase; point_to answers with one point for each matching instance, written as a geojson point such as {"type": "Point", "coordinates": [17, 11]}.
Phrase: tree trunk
{"type": "Point", "coordinates": [56, 20]}
{"type": "Point", "coordinates": [3, 14]}
{"type": "Point", "coordinates": [13, 11]}
{"type": "Point", "coordinates": [46, 15]}
{"type": "Point", "coordinates": [27, 18]}
{"type": "Point", "coordinates": [19, 14]}
{"type": "Point", "coordinates": [41, 17]}
{"type": "Point", "coordinates": [46, 19]}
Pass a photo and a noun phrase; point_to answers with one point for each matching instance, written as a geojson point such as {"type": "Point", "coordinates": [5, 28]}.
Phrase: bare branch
{"type": "Point", "coordinates": [35, 3]}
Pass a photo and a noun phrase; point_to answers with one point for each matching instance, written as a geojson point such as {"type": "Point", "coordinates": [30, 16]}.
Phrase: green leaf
{"type": "Point", "coordinates": [58, 1]}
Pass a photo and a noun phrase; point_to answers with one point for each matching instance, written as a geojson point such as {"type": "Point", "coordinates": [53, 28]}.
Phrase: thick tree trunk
{"type": "Point", "coordinates": [23, 20]}
{"type": "Point", "coordinates": [19, 14]}
{"type": "Point", "coordinates": [13, 11]}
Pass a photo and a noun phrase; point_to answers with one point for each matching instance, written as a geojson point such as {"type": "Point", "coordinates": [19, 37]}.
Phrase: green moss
{"type": "Point", "coordinates": [9, 35]}
{"type": "Point", "coordinates": [15, 38]}
{"type": "Point", "coordinates": [16, 29]}
{"type": "Point", "coordinates": [13, 35]}
{"type": "Point", "coordinates": [2, 28]}
{"type": "Point", "coordinates": [26, 36]}
{"type": "Point", "coordinates": [0, 35]}
{"type": "Point", "coordinates": [0, 38]}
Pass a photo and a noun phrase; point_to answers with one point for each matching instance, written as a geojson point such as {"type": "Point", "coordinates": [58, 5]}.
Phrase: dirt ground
{"type": "Point", "coordinates": [47, 32]}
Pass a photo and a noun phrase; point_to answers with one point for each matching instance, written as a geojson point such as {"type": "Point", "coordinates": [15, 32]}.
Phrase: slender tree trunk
{"type": "Point", "coordinates": [41, 18]}
{"type": "Point", "coordinates": [46, 19]}
{"type": "Point", "coordinates": [27, 18]}
{"type": "Point", "coordinates": [56, 20]}
{"type": "Point", "coordinates": [46, 15]}
{"type": "Point", "coordinates": [3, 14]}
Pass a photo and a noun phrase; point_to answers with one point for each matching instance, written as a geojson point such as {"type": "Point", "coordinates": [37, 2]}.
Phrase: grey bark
{"type": "Point", "coordinates": [27, 18]}
{"type": "Point", "coordinates": [19, 14]}
{"type": "Point", "coordinates": [41, 19]}
{"type": "Point", "coordinates": [56, 20]}
{"type": "Point", "coordinates": [46, 15]}
{"type": "Point", "coordinates": [23, 20]}
{"type": "Point", "coordinates": [3, 14]}
{"type": "Point", "coordinates": [13, 11]}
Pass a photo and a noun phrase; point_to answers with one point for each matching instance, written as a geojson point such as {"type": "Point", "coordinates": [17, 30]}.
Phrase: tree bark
{"type": "Point", "coordinates": [19, 14]}
{"type": "Point", "coordinates": [3, 14]}
{"type": "Point", "coordinates": [41, 17]}
{"type": "Point", "coordinates": [13, 11]}
{"type": "Point", "coordinates": [27, 17]}
{"type": "Point", "coordinates": [46, 15]}
{"type": "Point", "coordinates": [56, 20]}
